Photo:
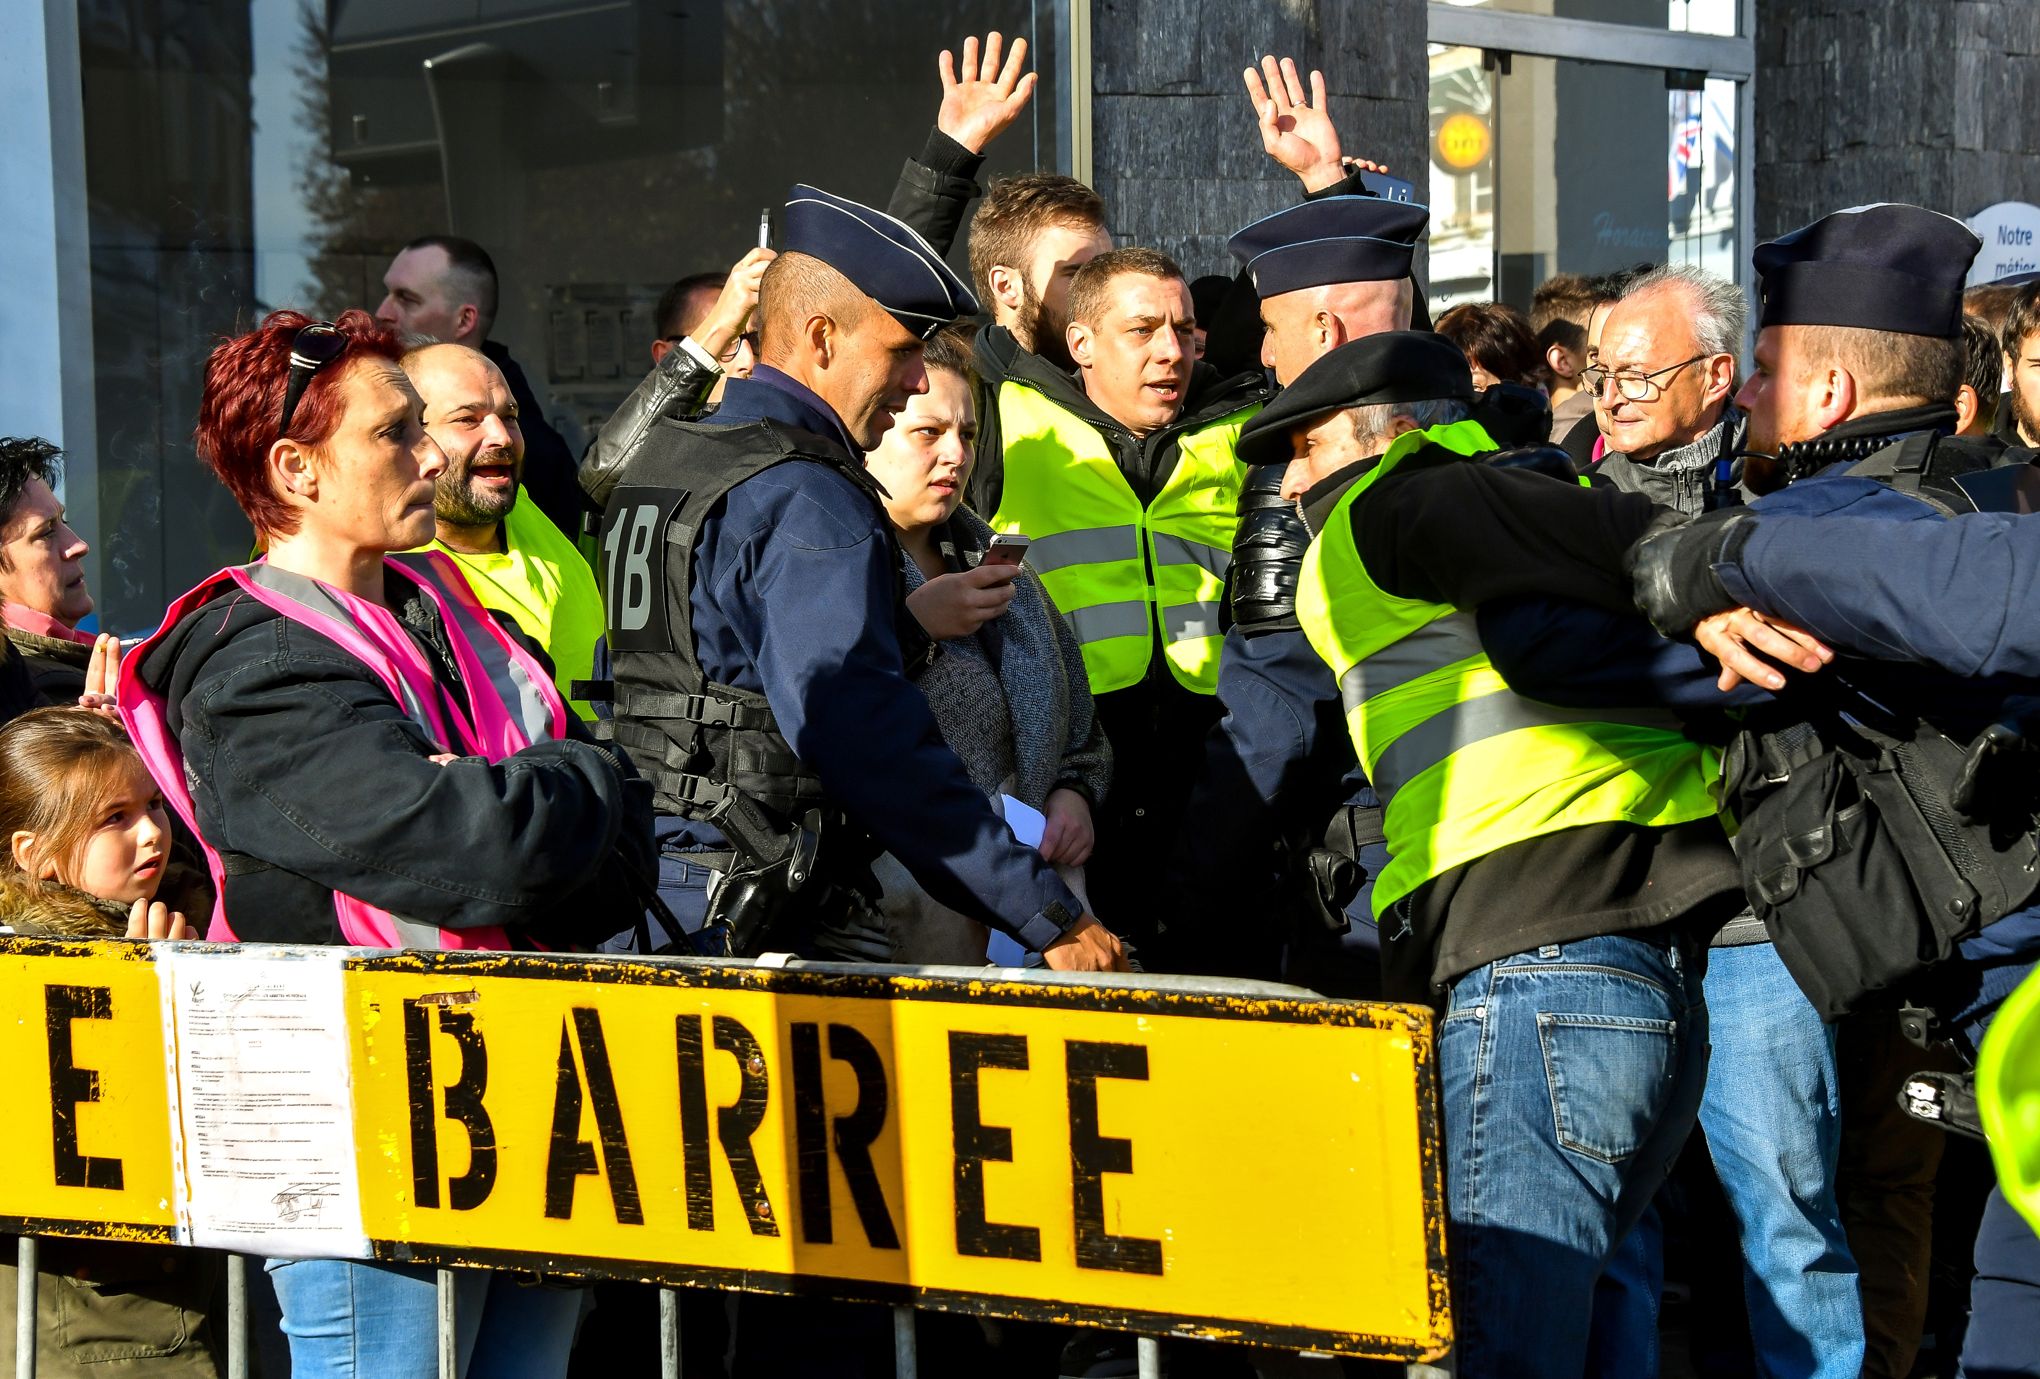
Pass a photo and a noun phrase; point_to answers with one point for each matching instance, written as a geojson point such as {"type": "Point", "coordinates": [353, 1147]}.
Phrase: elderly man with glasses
{"type": "Point", "coordinates": [1664, 378]}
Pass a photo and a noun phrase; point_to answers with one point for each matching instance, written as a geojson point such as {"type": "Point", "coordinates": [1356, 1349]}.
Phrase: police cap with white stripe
{"type": "Point", "coordinates": [1882, 267]}
{"type": "Point", "coordinates": [882, 257]}
{"type": "Point", "coordinates": [1395, 366]}
{"type": "Point", "coordinates": [1335, 239]}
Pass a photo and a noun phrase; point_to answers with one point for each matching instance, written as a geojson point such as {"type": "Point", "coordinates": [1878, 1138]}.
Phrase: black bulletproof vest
{"type": "Point", "coordinates": [1867, 846]}
{"type": "Point", "coordinates": [1928, 466]}
{"type": "Point", "coordinates": [708, 749]}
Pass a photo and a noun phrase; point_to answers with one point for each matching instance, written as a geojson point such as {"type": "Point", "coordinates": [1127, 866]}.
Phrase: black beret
{"type": "Point", "coordinates": [882, 257]}
{"type": "Point", "coordinates": [1884, 267]}
{"type": "Point", "coordinates": [1396, 366]}
{"type": "Point", "coordinates": [1335, 239]}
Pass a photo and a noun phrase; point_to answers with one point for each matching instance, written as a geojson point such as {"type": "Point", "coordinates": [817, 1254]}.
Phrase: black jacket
{"type": "Point", "coordinates": [308, 778]}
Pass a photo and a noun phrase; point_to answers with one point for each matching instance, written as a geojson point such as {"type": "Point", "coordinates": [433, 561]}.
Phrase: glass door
{"type": "Point", "coordinates": [1583, 136]}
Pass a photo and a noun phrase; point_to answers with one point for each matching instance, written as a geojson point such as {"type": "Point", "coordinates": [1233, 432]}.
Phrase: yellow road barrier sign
{"type": "Point", "coordinates": [1255, 1167]}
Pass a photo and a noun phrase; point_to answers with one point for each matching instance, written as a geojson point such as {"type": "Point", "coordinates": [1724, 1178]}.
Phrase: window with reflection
{"type": "Point", "coordinates": [241, 157]}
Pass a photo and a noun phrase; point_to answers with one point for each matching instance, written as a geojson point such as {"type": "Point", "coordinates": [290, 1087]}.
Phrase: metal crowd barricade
{"type": "Point", "coordinates": [822, 1080]}
{"type": "Point", "coordinates": [240, 1338]}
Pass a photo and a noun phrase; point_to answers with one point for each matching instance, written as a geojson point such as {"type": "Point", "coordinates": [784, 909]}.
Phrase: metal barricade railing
{"type": "Point", "coordinates": [241, 1341]}
{"type": "Point", "coordinates": [1151, 1000]}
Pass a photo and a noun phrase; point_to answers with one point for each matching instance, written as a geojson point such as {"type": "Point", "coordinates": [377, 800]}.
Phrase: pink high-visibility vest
{"type": "Point", "coordinates": [509, 703]}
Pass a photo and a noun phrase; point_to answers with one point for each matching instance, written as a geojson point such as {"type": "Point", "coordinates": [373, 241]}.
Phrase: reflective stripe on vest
{"type": "Point", "coordinates": [1123, 574]}
{"type": "Point", "coordinates": [509, 703]}
{"type": "Point", "coordinates": [1463, 765]}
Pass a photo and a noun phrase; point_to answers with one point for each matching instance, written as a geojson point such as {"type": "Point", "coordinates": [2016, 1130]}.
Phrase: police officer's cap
{"type": "Point", "coordinates": [1883, 267]}
{"type": "Point", "coordinates": [1336, 239]}
{"type": "Point", "coordinates": [882, 257]}
{"type": "Point", "coordinates": [1397, 366]}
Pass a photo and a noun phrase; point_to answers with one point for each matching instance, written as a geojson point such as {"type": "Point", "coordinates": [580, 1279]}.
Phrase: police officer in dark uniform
{"type": "Point", "coordinates": [761, 644]}
{"type": "Point", "coordinates": [1281, 808]}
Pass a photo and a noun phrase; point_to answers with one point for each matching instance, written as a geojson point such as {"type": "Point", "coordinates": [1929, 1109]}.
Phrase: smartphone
{"type": "Point", "coordinates": [1388, 188]}
{"type": "Point", "coordinates": [765, 228]}
{"type": "Point", "coordinates": [1007, 548]}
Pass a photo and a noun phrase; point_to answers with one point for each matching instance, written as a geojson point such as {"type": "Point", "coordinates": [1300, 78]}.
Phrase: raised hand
{"type": "Point", "coordinates": [985, 98]}
{"type": "Point", "coordinates": [1297, 131]}
{"type": "Point", "coordinates": [733, 306]}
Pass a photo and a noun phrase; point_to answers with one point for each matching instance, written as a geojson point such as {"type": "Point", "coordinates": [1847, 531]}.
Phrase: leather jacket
{"type": "Point", "coordinates": [677, 388]}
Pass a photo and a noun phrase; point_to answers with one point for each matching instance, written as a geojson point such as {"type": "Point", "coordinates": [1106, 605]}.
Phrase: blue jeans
{"type": "Point", "coordinates": [381, 1321]}
{"type": "Point", "coordinates": [1570, 1076]}
{"type": "Point", "coordinates": [1772, 1113]}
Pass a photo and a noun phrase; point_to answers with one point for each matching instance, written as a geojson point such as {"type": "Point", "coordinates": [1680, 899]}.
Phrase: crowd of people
{"type": "Point", "coordinates": [1658, 716]}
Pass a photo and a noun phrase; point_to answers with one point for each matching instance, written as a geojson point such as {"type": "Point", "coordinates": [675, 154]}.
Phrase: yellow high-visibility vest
{"type": "Point", "coordinates": [2008, 1097]}
{"type": "Point", "coordinates": [1464, 765]}
{"type": "Point", "coordinates": [1124, 574]}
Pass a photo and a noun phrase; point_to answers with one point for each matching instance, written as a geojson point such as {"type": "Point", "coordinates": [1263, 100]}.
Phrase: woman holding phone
{"type": "Point", "coordinates": [1008, 688]}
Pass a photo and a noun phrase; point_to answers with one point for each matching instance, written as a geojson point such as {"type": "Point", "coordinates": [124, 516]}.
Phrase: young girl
{"type": "Point", "coordinates": [84, 852]}
{"type": "Point", "coordinates": [84, 836]}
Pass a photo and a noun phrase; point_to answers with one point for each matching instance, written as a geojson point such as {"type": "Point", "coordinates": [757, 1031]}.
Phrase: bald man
{"type": "Point", "coordinates": [515, 559]}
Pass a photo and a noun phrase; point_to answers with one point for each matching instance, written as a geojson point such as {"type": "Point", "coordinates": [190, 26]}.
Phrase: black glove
{"type": "Point", "coordinates": [1542, 459]}
{"type": "Point", "coordinates": [1513, 414]}
{"type": "Point", "coordinates": [1672, 566]}
{"type": "Point", "coordinates": [1268, 552]}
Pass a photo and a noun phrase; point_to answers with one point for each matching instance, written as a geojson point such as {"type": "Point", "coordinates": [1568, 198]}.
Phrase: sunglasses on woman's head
{"type": "Point", "coordinates": [311, 349]}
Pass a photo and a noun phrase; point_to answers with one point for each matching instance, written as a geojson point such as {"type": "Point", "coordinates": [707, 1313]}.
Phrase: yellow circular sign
{"type": "Point", "coordinates": [1464, 142]}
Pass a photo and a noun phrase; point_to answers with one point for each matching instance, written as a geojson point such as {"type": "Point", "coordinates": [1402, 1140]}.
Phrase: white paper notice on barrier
{"type": "Point", "coordinates": [263, 1106]}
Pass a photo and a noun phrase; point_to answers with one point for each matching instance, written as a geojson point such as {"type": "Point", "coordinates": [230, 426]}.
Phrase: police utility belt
{"type": "Point", "coordinates": [712, 752]}
{"type": "Point", "coordinates": [1872, 844]}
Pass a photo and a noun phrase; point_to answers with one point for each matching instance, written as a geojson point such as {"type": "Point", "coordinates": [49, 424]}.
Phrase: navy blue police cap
{"type": "Point", "coordinates": [1882, 267]}
{"type": "Point", "coordinates": [1395, 366]}
{"type": "Point", "coordinates": [1335, 239]}
{"type": "Point", "coordinates": [882, 257]}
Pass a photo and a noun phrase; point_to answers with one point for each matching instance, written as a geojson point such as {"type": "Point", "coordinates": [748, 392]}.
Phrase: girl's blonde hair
{"type": "Point", "coordinates": [57, 766]}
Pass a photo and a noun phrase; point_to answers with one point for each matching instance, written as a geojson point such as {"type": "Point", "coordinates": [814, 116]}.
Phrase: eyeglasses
{"type": "Point", "coordinates": [1634, 385]}
{"type": "Point", "coordinates": [729, 356]}
{"type": "Point", "coordinates": [311, 349]}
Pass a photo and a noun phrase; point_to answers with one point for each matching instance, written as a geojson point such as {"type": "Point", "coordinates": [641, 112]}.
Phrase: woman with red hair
{"type": "Point", "coordinates": [369, 758]}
